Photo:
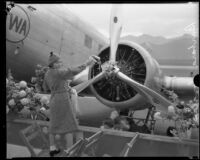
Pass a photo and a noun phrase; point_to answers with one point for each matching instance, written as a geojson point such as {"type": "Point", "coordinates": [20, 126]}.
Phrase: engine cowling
{"type": "Point", "coordinates": [134, 61]}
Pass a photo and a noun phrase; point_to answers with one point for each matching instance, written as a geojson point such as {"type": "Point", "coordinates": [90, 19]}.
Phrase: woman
{"type": "Point", "coordinates": [62, 117]}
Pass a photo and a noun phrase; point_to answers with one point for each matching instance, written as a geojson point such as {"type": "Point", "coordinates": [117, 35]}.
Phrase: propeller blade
{"type": "Point", "coordinates": [115, 29]}
{"type": "Point", "coordinates": [85, 84]}
{"type": "Point", "coordinates": [153, 97]}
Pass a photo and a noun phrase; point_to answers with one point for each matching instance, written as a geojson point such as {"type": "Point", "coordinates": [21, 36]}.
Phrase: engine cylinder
{"type": "Point", "coordinates": [180, 85]}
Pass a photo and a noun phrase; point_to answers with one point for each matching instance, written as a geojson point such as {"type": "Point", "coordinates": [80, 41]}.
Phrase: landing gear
{"type": "Point", "coordinates": [146, 125]}
{"type": "Point", "coordinates": [152, 121]}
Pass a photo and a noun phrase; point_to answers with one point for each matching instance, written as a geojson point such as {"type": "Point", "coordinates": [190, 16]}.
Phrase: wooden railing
{"type": "Point", "coordinates": [150, 137]}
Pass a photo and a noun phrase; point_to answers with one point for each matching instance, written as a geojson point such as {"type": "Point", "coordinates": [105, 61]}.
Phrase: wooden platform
{"type": "Point", "coordinates": [113, 142]}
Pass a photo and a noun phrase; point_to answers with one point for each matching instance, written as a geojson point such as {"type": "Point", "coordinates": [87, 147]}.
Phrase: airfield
{"type": "Point", "coordinates": [145, 76]}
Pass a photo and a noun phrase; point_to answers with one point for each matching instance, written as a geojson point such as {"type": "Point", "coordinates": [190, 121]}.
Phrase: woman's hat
{"type": "Point", "coordinates": [53, 58]}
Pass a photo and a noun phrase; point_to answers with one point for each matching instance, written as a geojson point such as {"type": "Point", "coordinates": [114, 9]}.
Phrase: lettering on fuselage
{"type": "Point", "coordinates": [17, 24]}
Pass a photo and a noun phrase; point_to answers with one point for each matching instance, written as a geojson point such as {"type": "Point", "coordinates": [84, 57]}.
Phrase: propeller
{"type": "Point", "coordinates": [153, 97]}
{"type": "Point", "coordinates": [85, 84]}
{"type": "Point", "coordinates": [115, 29]}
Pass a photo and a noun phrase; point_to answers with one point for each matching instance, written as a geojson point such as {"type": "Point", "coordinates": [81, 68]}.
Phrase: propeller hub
{"type": "Point", "coordinates": [109, 67]}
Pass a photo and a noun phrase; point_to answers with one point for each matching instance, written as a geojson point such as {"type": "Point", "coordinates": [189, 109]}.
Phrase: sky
{"type": "Point", "coordinates": [168, 20]}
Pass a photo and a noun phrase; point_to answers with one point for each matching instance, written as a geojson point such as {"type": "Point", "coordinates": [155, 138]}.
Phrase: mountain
{"type": "Point", "coordinates": [169, 51]}
{"type": "Point", "coordinates": [147, 38]}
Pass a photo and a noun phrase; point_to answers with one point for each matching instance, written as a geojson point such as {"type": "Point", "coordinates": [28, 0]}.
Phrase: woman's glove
{"type": "Point", "coordinates": [92, 60]}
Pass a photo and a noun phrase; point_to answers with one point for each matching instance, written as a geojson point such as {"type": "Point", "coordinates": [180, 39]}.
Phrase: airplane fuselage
{"type": "Point", "coordinates": [29, 43]}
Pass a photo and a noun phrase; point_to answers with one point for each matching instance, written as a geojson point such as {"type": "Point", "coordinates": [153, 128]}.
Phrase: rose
{"type": "Point", "coordinates": [171, 109]}
{"type": "Point", "coordinates": [11, 102]}
{"type": "Point", "coordinates": [157, 116]}
{"type": "Point", "coordinates": [22, 93]}
{"type": "Point", "coordinates": [25, 101]}
{"type": "Point", "coordinates": [44, 100]}
{"type": "Point", "coordinates": [22, 84]}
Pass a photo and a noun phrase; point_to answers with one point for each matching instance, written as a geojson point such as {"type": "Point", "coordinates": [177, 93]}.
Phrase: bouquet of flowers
{"type": "Point", "coordinates": [185, 116]}
{"type": "Point", "coordinates": [25, 101]}
{"type": "Point", "coordinates": [38, 80]}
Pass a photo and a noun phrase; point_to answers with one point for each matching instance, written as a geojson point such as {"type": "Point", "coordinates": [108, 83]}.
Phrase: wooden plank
{"type": "Point", "coordinates": [73, 147]}
{"type": "Point", "coordinates": [96, 135]}
{"type": "Point", "coordinates": [121, 133]}
{"type": "Point", "coordinates": [128, 146]}
{"type": "Point", "coordinates": [28, 145]}
{"type": "Point", "coordinates": [33, 135]}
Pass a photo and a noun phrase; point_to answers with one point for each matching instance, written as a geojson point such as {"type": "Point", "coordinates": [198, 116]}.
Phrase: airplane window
{"type": "Point", "coordinates": [88, 41]}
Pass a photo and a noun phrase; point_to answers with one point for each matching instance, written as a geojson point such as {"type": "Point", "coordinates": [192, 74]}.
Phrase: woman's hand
{"type": "Point", "coordinates": [92, 60]}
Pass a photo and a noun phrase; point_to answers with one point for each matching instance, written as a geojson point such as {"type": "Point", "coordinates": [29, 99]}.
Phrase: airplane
{"type": "Point", "coordinates": [128, 77]}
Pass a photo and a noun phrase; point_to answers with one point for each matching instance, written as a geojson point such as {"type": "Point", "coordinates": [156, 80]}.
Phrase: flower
{"type": "Point", "coordinates": [42, 109]}
{"type": "Point", "coordinates": [195, 107]}
{"type": "Point", "coordinates": [14, 95]}
{"type": "Point", "coordinates": [22, 93]}
{"type": "Point", "coordinates": [37, 96]}
{"type": "Point", "coordinates": [28, 90]}
{"type": "Point", "coordinates": [11, 102]}
{"type": "Point", "coordinates": [22, 84]}
{"type": "Point", "coordinates": [44, 100]}
{"type": "Point", "coordinates": [171, 109]}
{"type": "Point", "coordinates": [39, 66]}
{"type": "Point", "coordinates": [17, 85]}
{"type": "Point", "coordinates": [187, 113]}
{"type": "Point", "coordinates": [196, 118]}
{"type": "Point", "coordinates": [157, 116]}
{"type": "Point", "coordinates": [25, 101]}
